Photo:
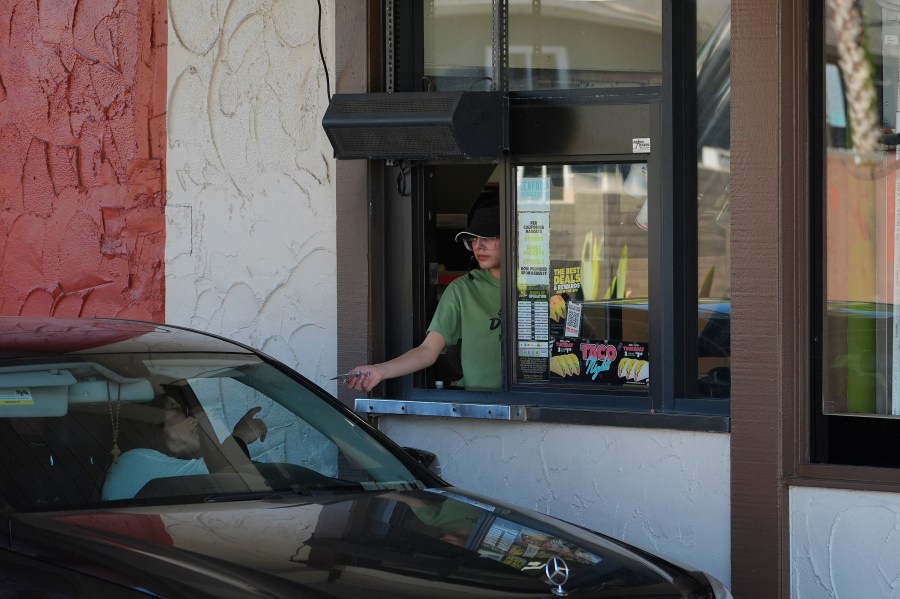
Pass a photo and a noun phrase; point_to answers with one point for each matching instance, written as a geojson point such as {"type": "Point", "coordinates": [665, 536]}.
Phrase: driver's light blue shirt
{"type": "Point", "coordinates": [137, 467]}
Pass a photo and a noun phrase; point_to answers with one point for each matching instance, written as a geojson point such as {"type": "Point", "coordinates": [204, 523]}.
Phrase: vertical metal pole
{"type": "Point", "coordinates": [537, 42]}
{"type": "Point", "coordinates": [499, 47]}
{"type": "Point", "coordinates": [389, 26]}
{"type": "Point", "coordinates": [500, 60]}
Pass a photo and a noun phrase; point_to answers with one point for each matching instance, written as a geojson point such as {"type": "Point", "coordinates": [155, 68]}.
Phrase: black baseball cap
{"type": "Point", "coordinates": [484, 218]}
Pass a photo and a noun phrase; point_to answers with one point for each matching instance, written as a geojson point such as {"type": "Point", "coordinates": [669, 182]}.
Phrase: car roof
{"type": "Point", "coordinates": [24, 336]}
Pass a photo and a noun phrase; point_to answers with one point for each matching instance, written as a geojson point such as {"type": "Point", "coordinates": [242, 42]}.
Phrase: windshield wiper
{"type": "Point", "coordinates": [245, 495]}
{"type": "Point", "coordinates": [338, 486]}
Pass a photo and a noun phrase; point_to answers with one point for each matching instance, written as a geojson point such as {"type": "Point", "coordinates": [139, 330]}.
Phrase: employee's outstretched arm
{"type": "Point", "coordinates": [366, 376]}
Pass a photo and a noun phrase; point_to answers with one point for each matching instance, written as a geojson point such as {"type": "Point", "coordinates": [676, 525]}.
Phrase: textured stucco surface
{"type": "Point", "coordinates": [82, 162]}
{"type": "Point", "coordinates": [251, 211]}
{"type": "Point", "coordinates": [665, 491]}
{"type": "Point", "coordinates": [844, 544]}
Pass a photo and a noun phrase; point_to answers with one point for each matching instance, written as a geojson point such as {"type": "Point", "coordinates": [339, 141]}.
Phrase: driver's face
{"type": "Point", "coordinates": [179, 431]}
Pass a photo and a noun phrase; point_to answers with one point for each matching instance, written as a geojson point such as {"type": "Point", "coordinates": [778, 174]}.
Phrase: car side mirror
{"type": "Point", "coordinates": [426, 458]}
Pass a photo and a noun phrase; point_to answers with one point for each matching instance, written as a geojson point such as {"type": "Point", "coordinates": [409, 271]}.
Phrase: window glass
{"type": "Point", "coordinates": [713, 198]}
{"type": "Point", "coordinates": [458, 42]}
{"type": "Point", "coordinates": [861, 345]}
{"type": "Point", "coordinates": [161, 426]}
{"type": "Point", "coordinates": [553, 44]}
{"type": "Point", "coordinates": [568, 44]}
{"type": "Point", "coordinates": [581, 275]}
{"type": "Point", "coordinates": [289, 439]}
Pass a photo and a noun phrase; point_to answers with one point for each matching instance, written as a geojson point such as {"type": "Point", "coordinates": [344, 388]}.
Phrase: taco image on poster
{"type": "Point", "coordinates": [565, 365]}
{"type": "Point", "coordinates": [634, 370]}
{"type": "Point", "coordinates": [557, 308]}
{"type": "Point", "coordinates": [624, 367]}
{"type": "Point", "coordinates": [640, 371]}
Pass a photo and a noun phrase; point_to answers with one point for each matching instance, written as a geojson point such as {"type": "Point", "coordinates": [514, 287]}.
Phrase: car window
{"type": "Point", "coordinates": [288, 438]}
{"type": "Point", "coordinates": [167, 428]}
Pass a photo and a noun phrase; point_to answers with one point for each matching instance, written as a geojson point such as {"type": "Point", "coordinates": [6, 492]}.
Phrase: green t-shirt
{"type": "Point", "coordinates": [470, 310]}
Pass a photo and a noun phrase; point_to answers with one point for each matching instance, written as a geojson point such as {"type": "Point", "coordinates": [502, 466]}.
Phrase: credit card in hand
{"type": "Point", "coordinates": [344, 377]}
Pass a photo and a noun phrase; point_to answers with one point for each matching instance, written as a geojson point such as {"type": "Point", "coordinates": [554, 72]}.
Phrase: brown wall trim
{"type": "Point", "coordinates": [835, 476]}
{"type": "Point", "coordinates": [769, 274]}
{"type": "Point", "coordinates": [357, 34]}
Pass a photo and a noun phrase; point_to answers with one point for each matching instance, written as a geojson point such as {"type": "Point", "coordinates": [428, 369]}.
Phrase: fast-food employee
{"type": "Point", "coordinates": [469, 310]}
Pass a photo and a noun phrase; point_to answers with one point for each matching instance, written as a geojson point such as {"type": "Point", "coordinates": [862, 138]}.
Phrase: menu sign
{"type": "Point", "coordinates": [533, 277]}
{"type": "Point", "coordinates": [533, 207]}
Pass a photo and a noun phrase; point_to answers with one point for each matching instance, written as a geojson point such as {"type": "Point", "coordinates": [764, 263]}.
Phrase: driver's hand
{"type": "Point", "coordinates": [249, 428]}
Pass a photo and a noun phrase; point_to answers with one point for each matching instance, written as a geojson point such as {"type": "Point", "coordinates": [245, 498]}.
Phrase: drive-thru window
{"type": "Point", "coordinates": [605, 127]}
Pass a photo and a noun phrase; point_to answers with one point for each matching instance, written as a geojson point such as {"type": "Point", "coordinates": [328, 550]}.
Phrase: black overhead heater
{"type": "Point", "coordinates": [415, 125]}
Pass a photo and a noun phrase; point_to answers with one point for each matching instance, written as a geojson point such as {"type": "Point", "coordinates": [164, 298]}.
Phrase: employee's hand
{"type": "Point", "coordinates": [249, 428]}
{"type": "Point", "coordinates": [364, 378]}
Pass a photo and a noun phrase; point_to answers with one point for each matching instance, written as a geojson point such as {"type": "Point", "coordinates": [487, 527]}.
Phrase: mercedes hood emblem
{"type": "Point", "coordinates": [557, 571]}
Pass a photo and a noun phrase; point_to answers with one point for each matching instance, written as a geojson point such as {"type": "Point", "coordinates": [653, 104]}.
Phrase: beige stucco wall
{"type": "Point", "coordinates": [844, 544]}
{"type": "Point", "coordinates": [250, 249]}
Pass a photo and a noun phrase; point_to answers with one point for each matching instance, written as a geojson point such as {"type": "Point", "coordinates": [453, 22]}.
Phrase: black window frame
{"type": "Point", "coordinates": [672, 401]}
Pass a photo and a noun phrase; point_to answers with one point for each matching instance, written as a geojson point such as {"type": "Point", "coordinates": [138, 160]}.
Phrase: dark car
{"type": "Point", "coordinates": [151, 460]}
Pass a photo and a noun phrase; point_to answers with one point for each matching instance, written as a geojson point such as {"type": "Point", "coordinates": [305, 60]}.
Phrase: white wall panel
{"type": "Point", "coordinates": [250, 250]}
{"type": "Point", "coordinates": [844, 544]}
{"type": "Point", "coordinates": [664, 491]}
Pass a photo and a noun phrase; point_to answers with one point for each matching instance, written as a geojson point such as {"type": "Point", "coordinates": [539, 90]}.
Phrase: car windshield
{"type": "Point", "coordinates": [117, 429]}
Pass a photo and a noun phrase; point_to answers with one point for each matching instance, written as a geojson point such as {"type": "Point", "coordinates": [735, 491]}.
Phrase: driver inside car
{"type": "Point", "coordinates": [180, 447]}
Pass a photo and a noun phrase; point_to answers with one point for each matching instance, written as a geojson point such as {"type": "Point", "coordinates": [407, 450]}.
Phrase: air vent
{"type": "Point", "coordinates": [420, 125]}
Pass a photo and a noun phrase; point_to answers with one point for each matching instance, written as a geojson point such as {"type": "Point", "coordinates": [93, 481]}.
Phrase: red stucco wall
{"type": "Point", "coordinates": [82, 157]}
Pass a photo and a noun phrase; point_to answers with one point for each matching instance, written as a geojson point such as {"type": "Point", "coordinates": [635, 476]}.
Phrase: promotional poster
{"type": "Point", "coordinates": [604, 362]}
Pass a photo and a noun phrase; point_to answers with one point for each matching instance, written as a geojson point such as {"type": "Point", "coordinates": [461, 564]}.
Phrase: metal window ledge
{"type": "Point", "coordinates": [535, 413]}
{"type": "Point", "coordinates": [378, 407]}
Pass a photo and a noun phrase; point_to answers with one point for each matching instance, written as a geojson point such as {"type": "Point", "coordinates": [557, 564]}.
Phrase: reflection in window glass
{"type": "Point", "coordinates": [553, 44]}
{"type": "Point", "coordinates": [861, 361]}
{"type": "Point", "coordinates": [458, 45]}
{"type": "Point", "coordinates": [713, 199]}
{"type": "Point", "coordinates": [581, 275]}
{"type": "Point", "coordinates": [569, 44]}
{"type": "Point", "coordinates": [225, 400]}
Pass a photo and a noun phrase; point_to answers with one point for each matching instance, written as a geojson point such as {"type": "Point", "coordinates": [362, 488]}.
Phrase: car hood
{"type": "Point", "coordinates": [434, 543]}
